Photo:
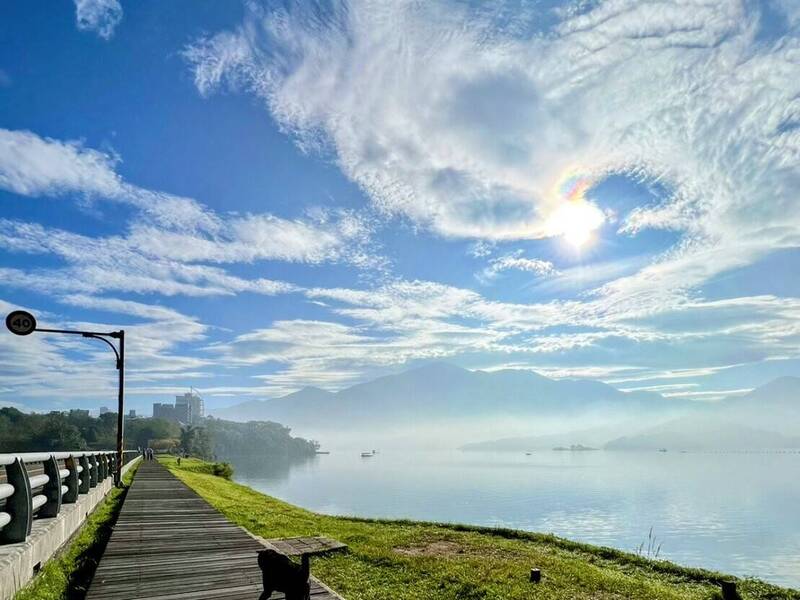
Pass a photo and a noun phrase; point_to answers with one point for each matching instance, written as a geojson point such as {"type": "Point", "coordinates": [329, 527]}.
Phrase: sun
{"type": "Point", "coordinates": [575, 218]}
{"type": "Point", "coordinates": [576, 221]}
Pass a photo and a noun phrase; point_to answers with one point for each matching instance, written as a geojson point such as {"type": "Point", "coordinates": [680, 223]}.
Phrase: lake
{"type": "Point", "coordinates": [737, 513]}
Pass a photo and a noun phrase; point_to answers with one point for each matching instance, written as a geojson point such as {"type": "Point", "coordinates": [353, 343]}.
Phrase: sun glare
{"type": "Point", "coordinates": [576, 222]}
{"type": "Point", "coordinates": [575, 219]}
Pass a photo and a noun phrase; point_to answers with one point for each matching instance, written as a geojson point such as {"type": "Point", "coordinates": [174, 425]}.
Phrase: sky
{"type": "Point", "coordinates": [272, 195]}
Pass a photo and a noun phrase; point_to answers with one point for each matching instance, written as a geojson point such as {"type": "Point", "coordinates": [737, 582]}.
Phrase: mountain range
{"type": "Point", "coordinates": [440, 399]}
{"type": "Point", "coordinates": [440, 393]}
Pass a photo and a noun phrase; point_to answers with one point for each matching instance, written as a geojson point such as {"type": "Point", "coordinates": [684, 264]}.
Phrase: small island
{"type": "Point", "coordinates": [574, 448]}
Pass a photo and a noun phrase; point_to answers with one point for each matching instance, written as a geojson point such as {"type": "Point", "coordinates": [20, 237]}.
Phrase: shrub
{"type": "Point", "coordinates": [222, 469]}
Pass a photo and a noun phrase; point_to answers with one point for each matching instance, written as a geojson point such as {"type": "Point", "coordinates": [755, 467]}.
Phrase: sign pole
{"type": "Point", "coordinates": [20, 322]}
{"type": "Point", "coordinates": [120, 407]}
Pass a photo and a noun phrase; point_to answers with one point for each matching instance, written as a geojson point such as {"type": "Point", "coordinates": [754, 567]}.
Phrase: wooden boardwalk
{"type": "Point", "coordinates": [170, 544]}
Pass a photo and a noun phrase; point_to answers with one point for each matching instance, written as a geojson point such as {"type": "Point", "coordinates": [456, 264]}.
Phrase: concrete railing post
{"type": "Point", "coordinates": [83, 488]}
{"type": "Point", "coordinates": [51, 489]}
{"type": "Point", "coordinates": [18, 505]}
{"type": "Point", "coordinates": [92, 471]}
{"type": "Point", "coordinates": [71, 481]}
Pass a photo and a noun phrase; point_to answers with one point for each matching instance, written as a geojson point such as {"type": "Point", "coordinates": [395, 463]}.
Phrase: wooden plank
{"type": "Point", "coordinates": [170, 544]}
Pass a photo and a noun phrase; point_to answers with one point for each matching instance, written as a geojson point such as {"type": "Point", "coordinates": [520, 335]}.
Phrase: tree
{"type": "Point", "coordinates": [196, 441]}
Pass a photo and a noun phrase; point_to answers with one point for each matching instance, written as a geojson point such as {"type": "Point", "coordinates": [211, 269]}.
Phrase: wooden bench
{"type": "Point", "coordinates": [305, 546]}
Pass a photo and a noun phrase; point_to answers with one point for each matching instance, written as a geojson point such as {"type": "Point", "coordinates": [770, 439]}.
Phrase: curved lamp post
{"type": "Point", "coordinates": [20, 322]}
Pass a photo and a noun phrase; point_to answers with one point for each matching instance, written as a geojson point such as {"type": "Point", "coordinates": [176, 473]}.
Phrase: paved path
{"type": "Point", "coordinates": [170, 544]}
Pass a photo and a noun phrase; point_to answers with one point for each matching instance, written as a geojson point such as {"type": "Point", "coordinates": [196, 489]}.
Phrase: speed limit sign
{"type": "Point", "coordinates": [20, 322]}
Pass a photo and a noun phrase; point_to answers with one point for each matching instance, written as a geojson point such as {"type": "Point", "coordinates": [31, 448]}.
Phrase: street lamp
{"type": "Point", "coordinates": [20, 322]}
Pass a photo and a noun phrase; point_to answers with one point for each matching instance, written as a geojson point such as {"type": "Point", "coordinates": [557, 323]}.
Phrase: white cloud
{"type": "Point", "coordinates": [31, 166]}
{"type": "Point", "coordinates": [325, 237]}
{"type": "Point", "coordinates": [708, 395]}
{"type": "Point", "coordinates": [96, 265]}
{"type": "Point", "coordinates": [100, 16]}
{"type": "Point", "coordinates": [34, 166]}
{"type": "Point", "coordinates": [169, 236]}
{"type": "Point", "coordinates": [480, 249]}
{"type": "Point", "coordinates": [515, 261]}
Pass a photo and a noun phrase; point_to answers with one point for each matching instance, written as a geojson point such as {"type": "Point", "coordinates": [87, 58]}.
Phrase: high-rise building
{"type": "Point", "coordinates": [188, 409]}
{"type": "Point", "coordinates": [103, 410]}
{"type": "Point", "coordinates": [195, 410]}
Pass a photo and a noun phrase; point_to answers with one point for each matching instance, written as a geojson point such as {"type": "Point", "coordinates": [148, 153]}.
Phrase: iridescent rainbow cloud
{"type": "Point", "coordinates": [574, 186]}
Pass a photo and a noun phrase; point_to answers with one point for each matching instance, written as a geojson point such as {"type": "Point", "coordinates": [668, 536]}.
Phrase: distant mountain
{"type": "Point", "coordinates": [310, 398]}
{"type": "Point", "coordinates": [773, 406]}
{"type": "Point", "coordinates": [443, 393]}
{"type": "Point", "coordinates": [706, 432]}
{"type": "Point", "coordinates": [782, 394]}
{"type": "Point", "coordinates": [766, 418]}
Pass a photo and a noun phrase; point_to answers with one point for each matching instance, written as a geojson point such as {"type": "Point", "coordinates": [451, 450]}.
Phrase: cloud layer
{"type": "Point", "coordinates": [479, 127]}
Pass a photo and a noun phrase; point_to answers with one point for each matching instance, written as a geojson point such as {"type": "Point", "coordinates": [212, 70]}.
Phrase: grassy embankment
{"type": "Point", "coordinates": [68, 574]}
{"type": "Point", "coordinates": [391, 560]}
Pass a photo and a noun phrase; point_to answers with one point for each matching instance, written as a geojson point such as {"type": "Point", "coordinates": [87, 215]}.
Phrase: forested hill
{"type": "Point", "coordinates": [76, 430]}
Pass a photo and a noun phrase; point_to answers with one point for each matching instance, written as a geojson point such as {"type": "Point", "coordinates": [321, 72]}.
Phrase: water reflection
{"type": "Point", "coordinates": [257, 470]}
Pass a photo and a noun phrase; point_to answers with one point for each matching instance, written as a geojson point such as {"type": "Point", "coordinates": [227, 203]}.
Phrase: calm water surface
{"type": "Point", "coordinates": [738, 513]}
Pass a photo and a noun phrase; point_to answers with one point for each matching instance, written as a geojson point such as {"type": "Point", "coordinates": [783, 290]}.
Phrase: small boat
{"type": "Point", "coordinates": [367, 454]}
{"type": "Point", "coordinates": [322, 452]}
{"type": "Point", "coordinates": [528, 453]}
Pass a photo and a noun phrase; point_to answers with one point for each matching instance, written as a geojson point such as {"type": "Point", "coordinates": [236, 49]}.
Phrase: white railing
{"type": "Point", "coordinates": [64, 477]}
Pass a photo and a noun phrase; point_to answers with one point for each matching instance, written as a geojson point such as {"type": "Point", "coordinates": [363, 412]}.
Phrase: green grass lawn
{"type": "Point", "coordinates": [67, 576]}
{"type": "Point", "coordinates": [391, 560]}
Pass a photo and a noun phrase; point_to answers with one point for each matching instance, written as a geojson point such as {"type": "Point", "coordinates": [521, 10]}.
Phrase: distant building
{"type": "Point", "coordinates": [195, 409]}
{"type": "Point", "coordinates": [164, 411]}
{"type": "Point", "coordinates": [103, 410]}
{"type": "Point", "coordinates": [189, 409]}
{"type": "Point", "coordinates": [132, 414]}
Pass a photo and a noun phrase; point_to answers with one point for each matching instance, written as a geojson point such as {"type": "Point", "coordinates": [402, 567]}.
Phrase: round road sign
{"type": "Point", "coordinates": [20, 322]}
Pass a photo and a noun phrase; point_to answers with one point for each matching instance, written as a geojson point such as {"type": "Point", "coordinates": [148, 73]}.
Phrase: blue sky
{"type": "Point", "coordinates": [273, 195]}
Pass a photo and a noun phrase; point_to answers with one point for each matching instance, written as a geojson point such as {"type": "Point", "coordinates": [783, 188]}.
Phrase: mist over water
{"type": "Point", "coordinates": [733, 512]}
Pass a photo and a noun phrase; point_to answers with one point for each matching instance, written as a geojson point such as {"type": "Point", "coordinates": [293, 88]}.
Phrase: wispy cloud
{"type": "Point", "coordinates": [515, 261]}
{"type": "Point", "coordinates": [100, 16]}
{"type": "Point", "coordinates": [95, 265]}
{"type": "Point", "coordinates": [169, 238]}
{"type": "Point", "coordinates": [588, 276]}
